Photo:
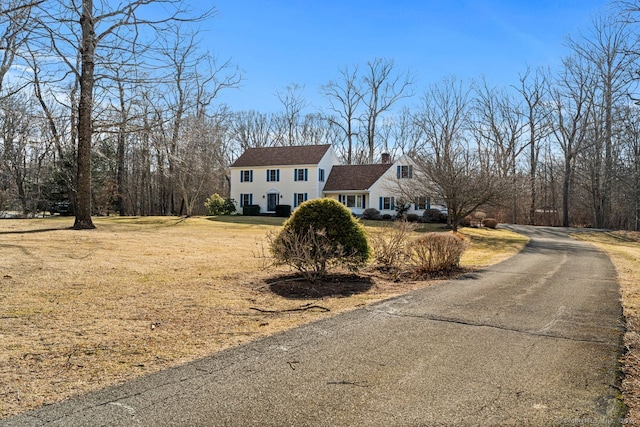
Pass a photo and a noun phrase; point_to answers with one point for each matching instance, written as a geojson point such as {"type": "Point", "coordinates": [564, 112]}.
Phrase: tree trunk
{"type": "Point", "coordinates": [565, 192]}
{"type": "Point", "coordinates": [120, 173]}
{"type": "Point", "coordinates": [83, 204]}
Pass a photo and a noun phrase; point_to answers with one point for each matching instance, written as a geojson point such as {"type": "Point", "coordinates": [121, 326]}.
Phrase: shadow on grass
{"type": "Point", "coordinates": [249, 220]}
{"type": "Point", "coordinates": [296, 287]}
{"type": "Point", "coordinates": [40, 230]}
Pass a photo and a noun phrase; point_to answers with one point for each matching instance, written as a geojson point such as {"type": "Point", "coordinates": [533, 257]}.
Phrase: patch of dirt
{"type": "Point", "coordinates": [292, 286]}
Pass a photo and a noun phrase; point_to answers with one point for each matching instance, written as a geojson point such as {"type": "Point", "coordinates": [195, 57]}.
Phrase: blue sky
{"type": "Point", "coordinates": [279, 42]}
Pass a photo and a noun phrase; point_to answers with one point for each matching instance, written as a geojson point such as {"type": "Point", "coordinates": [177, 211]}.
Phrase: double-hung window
{"type": "Point", "coordinates": [387, 203]}
{"type": "Point", "coordinates": [273, 175]}
{"type": "Point", "coordinates": [321, 175]}
{"type": "Point", "coordinates": [299, 198]}
{"type": "Point", "coordinates": [422, 202]}
{"type": "Point", "coordinates": [246, 199]}
{"type": "Point", "coordinates": [246, 176]}
{"type": "Point", "coordinates": [353, 201]}
{"type": "Point", "coordinates": [301, 174]}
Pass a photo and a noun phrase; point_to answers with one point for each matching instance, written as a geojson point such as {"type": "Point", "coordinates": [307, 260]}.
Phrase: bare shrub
{"type": "Point", "coordinates": [479, 215]}
{"type": "Point", "coordinates": [490, 223]}
{"type": "Point", "coordinates": [435, 252]}
{"type": "Point", "coordinates": [466, 221]}
{"type": "Point", "coordinates": [390, 244]}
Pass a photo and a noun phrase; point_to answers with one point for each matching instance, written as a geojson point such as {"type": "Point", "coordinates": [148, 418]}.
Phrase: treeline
{"type": "Point", "coordinates": [558, 147]}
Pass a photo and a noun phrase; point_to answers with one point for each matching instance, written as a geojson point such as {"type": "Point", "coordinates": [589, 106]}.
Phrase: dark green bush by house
{"type": "Point", "coordinates": [372, 214]}
{"type": "Point", "coordinates": [434, 215]}
{"type": "Point", "coordinates": [283, 211]}
{"type": "Point", "coordinates": [251, 210]}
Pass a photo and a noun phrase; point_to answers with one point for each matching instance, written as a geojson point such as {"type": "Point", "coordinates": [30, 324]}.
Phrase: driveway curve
{"type": "Point", "coordinates": [534, 340]}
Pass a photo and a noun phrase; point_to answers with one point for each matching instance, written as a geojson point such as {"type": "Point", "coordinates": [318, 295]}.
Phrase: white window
{"type": "Point", "coordinates": [354, 201]}
{"type": "Point", "coordinates": [321, 175]}
{"type": "Point", "coordinates": [246, 176]}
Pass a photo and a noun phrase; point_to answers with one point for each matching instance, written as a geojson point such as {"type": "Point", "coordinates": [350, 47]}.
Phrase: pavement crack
{"type": "Point", "coordinates": [357, 384]}
{"type": "Point", "coordinates": [542, 333]}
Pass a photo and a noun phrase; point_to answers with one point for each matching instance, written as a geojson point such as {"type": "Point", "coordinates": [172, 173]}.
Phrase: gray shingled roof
{"type": "Point", "coordinates": [282, 156]}
{"type": "Point", "coordinates": [354, 177]}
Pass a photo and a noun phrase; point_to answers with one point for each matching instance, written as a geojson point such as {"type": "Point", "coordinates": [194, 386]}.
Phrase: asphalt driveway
{"type": "Point", "coordinates": [531, 341]}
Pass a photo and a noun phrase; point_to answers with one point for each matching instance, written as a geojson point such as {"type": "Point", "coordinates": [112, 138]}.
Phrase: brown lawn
{"type": "Point", "coordinates": [81, 310]}
{"type": "Point", "coordinates": [623, 247]}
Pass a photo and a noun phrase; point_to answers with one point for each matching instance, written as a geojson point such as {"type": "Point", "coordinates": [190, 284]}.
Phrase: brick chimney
{"type": "Point", "coordinates": [386, 158]}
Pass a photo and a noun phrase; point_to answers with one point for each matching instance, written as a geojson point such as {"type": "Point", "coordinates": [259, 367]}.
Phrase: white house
{"type": "Point", "coordinates": [273, 176]}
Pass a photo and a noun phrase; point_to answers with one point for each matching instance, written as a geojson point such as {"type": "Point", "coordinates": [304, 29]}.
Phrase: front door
{"type": "Point", "coordinates": [272, 201]}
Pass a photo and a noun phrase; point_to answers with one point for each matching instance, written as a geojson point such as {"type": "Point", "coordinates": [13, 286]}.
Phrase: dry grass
{"type": "Point", "coordinates": [490, 246]}
{"type": "Point", "coordinates": [80, 310]}
{"type": "Point", "coordinates": [623, 247]}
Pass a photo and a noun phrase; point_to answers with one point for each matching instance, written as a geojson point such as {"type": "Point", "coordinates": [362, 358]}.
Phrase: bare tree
{"type": "Point", "coordinates": [534, 90]}
{"type": "Point", "coordinates": [456, 168]}
{"type": "Point", "coordinates": [195, 79]}
{"type": "Point", "coordinates": [381, 88]}
{"type": "Point", "coordinates": [15, 23]}
{"type": "Point", "coordinates": [344, 97]}
{"type": "Point", "coordinates": [293, 101]}
{"type": "Point", "coordinates": [498, 123]}
{"type": "Point", "coordinates": [250, 129]}
{"type": "Point", "coordinates": [611, 57]}
{"type": "Point", "coordinates": [572, 118]}
{"type": "Point", "coordinates": [630, 157]}
{"type": "Point", "coordinates": [93, 34]}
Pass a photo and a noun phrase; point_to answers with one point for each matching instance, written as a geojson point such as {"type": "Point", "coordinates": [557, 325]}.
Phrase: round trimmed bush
{"type": "Point", "coordinates": [335, 219]}
{"type": "Point", "coordinates": [320, 234]}
{"type": "Point", "coordinates": [371, 213]}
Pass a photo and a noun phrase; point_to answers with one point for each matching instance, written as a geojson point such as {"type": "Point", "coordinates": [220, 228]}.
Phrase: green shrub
{"type": "Point", "coordinates": [412, 217]}
{"type": "Point", "coordinates": [372, 214]}
{"type": "Point", "coordinates": [216, 205]}
{"type": "Point", "coordinates": [283, 211]}
{"type": "Point", "coordinates": [251, 210]}
{"type": "Point", "coordinates": [402, 207]}
{"type": "Point", "coordinates": [490, 223]}
{"type": "Point", "coordinates": [434, 215]}
{"type": "Point", "coordinates": [321, 234]}
{"type": "Point", "coordinates": [435, 252]}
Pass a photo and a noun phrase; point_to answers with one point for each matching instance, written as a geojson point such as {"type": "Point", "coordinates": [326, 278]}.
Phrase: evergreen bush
{"type": "Point", "coordinates": [321, 234]}
{"type": "Point", "coordinates": [217, 205]}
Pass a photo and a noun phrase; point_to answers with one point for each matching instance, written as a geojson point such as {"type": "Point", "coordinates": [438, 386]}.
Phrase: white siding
{"type": "Point", "coordinates": [287, 187]}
